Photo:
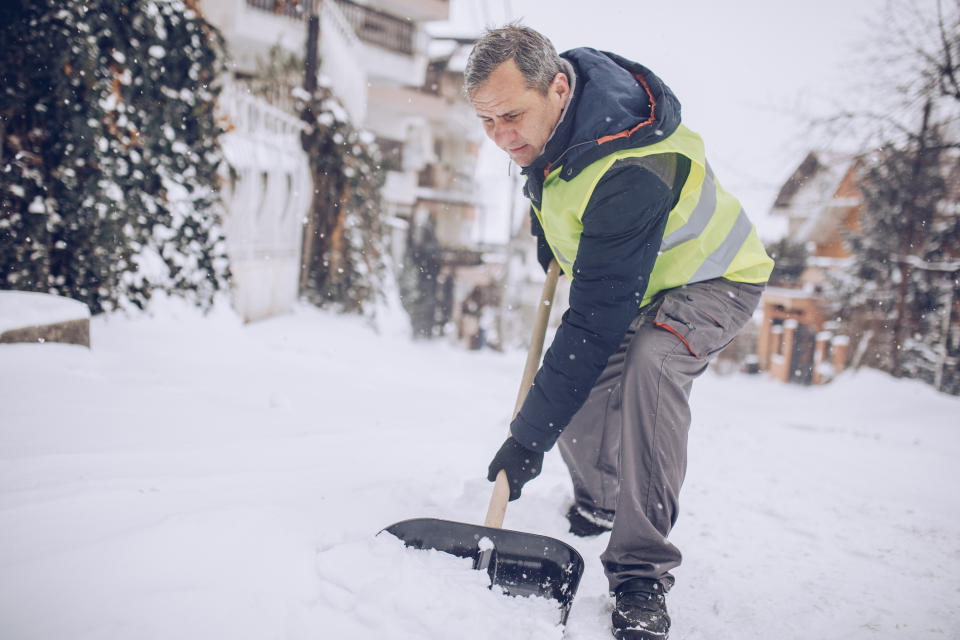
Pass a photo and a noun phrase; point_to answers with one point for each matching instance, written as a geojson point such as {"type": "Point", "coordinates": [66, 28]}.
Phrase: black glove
{"type": "Point", "coordinates": [521, 464]}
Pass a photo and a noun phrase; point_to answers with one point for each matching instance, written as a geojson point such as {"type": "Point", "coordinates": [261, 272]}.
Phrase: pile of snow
{"type": "Point", "coordinates": [194, 477]}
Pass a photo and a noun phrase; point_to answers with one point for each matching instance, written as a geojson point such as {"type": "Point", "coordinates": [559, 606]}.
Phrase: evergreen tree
{"type": "Point", "coordinates": [109, 151]}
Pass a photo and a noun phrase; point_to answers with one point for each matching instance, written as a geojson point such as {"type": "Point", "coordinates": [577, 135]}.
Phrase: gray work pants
{"type": "Point", "coordinates": [626, 448]}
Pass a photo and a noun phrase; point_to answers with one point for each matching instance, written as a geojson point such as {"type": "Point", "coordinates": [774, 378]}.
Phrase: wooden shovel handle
{"type": "Point", "coordinates": [501, 488]}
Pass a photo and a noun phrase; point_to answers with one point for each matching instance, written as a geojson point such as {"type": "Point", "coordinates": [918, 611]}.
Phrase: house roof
{"type": "Point", "coordinates": [808, 199]}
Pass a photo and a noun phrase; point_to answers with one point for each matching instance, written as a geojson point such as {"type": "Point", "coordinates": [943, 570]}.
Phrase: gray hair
{"type": "Point", "coordinates": [532, 52]}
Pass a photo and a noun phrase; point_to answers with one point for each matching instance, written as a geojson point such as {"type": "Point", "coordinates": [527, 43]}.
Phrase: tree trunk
{"type": "Point", "coordinates": [909, 243]}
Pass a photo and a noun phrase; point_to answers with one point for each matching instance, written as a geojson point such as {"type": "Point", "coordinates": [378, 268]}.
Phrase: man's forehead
{"type": "Point", "coordinates": [496, 106]}
{"type": "Point", "coordinates": [504, 87]}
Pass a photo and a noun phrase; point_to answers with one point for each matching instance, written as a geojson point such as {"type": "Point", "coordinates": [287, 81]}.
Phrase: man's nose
{"type": "Point", "coordinates": [502, 134]}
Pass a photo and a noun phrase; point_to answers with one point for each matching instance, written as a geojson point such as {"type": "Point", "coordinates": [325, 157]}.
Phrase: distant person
{"type": "Point", "coordinates": [664, 267]}
{"type": "Point", "coordinates": [470, 312]}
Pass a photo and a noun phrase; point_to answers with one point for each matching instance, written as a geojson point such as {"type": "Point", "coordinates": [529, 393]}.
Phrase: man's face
{"type": "Point", "coordinates": [519, 119]}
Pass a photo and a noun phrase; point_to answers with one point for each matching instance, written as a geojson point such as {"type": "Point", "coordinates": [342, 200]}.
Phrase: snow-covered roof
{"type": "Point", "coordinates": [807, 200]}
{"type": "Point", "coordinates": [454, 50]}
{"type": "Point", "coordinates": [817, 163]}
{"type": "Point", "coordinates": [441, 48]}
{"type": "Point", "coordinates": [445, 30]}
{"type": "Point", "coordinates": [458, 61]}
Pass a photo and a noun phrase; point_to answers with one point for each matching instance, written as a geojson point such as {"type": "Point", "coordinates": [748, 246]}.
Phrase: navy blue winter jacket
{"type": "Point", "coordinates": [623, 227]}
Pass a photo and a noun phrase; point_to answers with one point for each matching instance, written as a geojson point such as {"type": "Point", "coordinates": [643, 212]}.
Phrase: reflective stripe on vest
{"type": "Point", "coordinates": [707, 235]}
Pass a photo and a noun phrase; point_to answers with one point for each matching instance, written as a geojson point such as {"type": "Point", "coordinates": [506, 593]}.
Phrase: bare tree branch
{"type": "Point", "coordinates": [949, 84]}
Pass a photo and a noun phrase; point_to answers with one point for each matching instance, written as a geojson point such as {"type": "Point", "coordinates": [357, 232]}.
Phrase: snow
{"type": "Point", "coordinates": [190, 476]}
{"type": "Point", "coordinates": [37, 206]}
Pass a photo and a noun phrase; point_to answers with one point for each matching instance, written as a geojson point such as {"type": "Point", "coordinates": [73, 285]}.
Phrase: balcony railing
{"type": "Point", "coordinates": [379, 28]}
{"type": "Point", "coordinates": [370, 25]}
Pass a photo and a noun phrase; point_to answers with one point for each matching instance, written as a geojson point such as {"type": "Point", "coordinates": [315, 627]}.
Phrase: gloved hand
{"type": "Point", "coordinates": [521, 464]}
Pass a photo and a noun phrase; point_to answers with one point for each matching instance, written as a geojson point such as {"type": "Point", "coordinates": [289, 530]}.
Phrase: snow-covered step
{"type": "Point", "coordinates": [43, 317]}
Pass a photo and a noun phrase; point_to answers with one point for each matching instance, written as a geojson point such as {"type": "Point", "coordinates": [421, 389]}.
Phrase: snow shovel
{"type": "Point", "coordinates": [520, 564]}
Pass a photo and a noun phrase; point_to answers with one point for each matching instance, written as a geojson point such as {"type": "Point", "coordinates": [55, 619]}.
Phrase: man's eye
{"type": "Point", "coordinates": [511, 117]}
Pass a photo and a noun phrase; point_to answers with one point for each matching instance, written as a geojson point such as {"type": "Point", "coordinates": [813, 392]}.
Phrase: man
{"type": "Point", "coordinates": [665, 268]}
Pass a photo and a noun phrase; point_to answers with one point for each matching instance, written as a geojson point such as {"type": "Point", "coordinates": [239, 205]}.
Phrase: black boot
{"type": "Point", "coordinates": [641, 611]}
{"type": "Point", "coordinates": [589, 521]}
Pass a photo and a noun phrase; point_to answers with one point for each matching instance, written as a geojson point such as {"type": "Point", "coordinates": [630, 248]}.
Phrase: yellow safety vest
{"type": "Point", "coordinates": [707, 236]}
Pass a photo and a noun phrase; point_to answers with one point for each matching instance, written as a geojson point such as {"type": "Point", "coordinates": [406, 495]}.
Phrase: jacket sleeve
{"type": "Point", "coordinates": [623, 226]}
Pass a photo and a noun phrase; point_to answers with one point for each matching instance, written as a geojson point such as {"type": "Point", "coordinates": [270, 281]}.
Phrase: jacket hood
{"type": "Point", "coordinates": [616, 103]}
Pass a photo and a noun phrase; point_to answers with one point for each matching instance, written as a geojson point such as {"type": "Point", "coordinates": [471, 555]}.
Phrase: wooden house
{"type": "Point", "coordinates": [820, 201]}
{"type": "Point", "coordinates": [798, 340]}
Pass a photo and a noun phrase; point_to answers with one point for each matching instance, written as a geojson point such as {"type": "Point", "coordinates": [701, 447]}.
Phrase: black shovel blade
{"type": "Point", "coordinates": [521, 564]}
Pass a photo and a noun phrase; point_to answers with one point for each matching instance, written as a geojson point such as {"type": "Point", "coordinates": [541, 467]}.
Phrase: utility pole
{"type": "Point", "coordinates": [314, 7]}
{"type": "Point", "coordinates": [313, 37]}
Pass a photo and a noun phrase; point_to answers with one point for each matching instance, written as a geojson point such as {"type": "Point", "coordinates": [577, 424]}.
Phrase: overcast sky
{"type": "Point", "coordinates": [749, 74]}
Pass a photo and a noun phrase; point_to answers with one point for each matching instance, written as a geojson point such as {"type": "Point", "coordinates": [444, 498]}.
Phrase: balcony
{"type": "Point", "coordinates": [370, 25]}
{"type": "Point", "coordinates": [340, 50]}
{"type": "Point", "coordinates": [444, 183]}
{"type": "Point", "coordinates": [415, 10]}
{"type": "Point", "coordinates": [379, 28]}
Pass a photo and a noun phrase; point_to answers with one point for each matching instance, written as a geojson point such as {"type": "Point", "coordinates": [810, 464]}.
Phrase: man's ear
{"type": "Point", "coordinates": [561, 84]}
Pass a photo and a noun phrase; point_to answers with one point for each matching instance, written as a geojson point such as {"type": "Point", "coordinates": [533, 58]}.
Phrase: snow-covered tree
{"type": "Point", "coordinates": [903, 287]}
{"type": "Point", "coordinates": [344, 243]}
{"type": "Point", "coordinates": [902, 277]}
{"type": "Point", "coordinates": [344, 246]}
{"type": "Point", "coordinates": [109, 151]}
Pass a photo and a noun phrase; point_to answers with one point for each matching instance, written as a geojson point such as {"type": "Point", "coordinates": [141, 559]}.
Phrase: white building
{"type": "Point", "coordinates": [394, 81]}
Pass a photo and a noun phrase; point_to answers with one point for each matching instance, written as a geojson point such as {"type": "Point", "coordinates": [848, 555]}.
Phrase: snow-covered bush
{"type": "Point", "coordinates": [109, 151]}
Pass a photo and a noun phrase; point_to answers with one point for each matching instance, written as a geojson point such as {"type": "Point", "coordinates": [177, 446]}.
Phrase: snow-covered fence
{"type": "Point", "coordinates": [267, 193]}
{"type": "Point", "coordinates": [829, 357]}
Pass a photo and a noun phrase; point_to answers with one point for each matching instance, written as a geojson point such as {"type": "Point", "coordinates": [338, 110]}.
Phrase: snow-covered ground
{"type": "Point", "coordinates": [190, 477]}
